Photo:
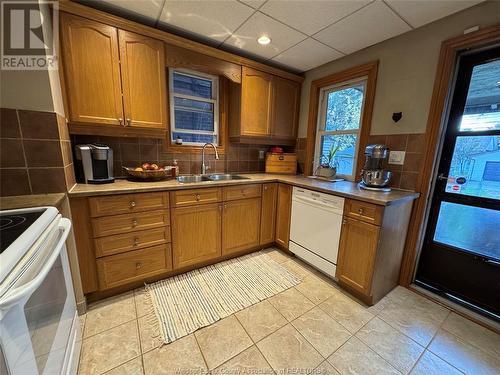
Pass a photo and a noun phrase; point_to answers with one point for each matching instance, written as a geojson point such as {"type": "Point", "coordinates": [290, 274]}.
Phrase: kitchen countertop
{"type": "Point", "coordinates": [23, 201]}
{"type": "Point", "coordinates": [342, 188]}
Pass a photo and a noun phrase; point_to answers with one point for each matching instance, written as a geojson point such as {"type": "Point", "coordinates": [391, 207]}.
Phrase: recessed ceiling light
{"type": "Point", "coordinates": [264, 40]}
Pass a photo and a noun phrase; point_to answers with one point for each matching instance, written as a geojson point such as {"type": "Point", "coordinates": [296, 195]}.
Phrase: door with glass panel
{"type": "Point", "coordinates": [460, 258]}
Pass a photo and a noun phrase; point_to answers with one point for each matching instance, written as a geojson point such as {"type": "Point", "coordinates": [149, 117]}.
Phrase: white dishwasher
{"type": "Point", "coordinates": [315, 228]}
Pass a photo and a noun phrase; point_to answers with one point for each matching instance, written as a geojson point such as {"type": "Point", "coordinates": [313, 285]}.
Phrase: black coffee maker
{"type": "Point", "coordinates": [94, 164]}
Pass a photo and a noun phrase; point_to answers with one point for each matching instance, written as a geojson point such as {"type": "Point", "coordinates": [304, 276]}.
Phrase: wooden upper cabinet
{"type": "Point", "coordinates": [143, 80]}
{"type": "Point", "coordinates": [357, 251]}
{"type": "Point", "coordinates": [256, 102]}
{"type": "Point", "coordinates": [92, 71]}
{"type": "Point", "coordinates": [283, 212]}
{"type": "Point", "coordinates": [286, 108]}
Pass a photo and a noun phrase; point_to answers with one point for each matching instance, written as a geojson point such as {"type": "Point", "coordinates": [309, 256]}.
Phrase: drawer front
{"type": "Point", "coordinates": [367, 212]}
{"type": "Point", "coordinates": [135, 265]}
{"type": "Point", "coordinates": [109, 225]}
{"type": "Point", "coordinates": [125, 203]}
{"type": "Point", "coordinates": [241, 191]}
{"type": "Point", "coordinates": [191, 197]}
{"type": "Point", "coordinates": [122, 243]}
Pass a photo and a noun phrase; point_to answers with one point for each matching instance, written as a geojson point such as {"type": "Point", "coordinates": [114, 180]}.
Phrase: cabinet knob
{"type": "Point", "coordinates": [344, 222]}
{"type": "Point", "coordinates": [129, 122]}
{"type": "Point", "coordinates": [265, 187]}
{"type": "Point", "coordinates": [360, 210]}
{"type": "Point", "coordinates": [198, 197]}
{"type": "Point", "coordinates": [138, 265]}
{"type": "Point", "coordinates": [132, 204]}
{"type": "Point", "coordinates": [121, 121]}
{"type": "Point", "coordinates": [134, 222]}
{"type": "Point", "coordinates": [136, 241]}
{"type": "Point", "coordinates": [225, 206]}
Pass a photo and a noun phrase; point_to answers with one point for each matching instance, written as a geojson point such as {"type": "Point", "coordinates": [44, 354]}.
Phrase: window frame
{"type": "Point", "coordinates": [321, 123]}
{"type": "Point", "coordinates": [214, 100]}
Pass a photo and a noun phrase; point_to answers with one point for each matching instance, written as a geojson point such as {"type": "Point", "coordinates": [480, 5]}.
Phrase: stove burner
{"type": "Point", "coordinates": [11, 222]}
{"type": "Point", "coordinates": [12, 226]}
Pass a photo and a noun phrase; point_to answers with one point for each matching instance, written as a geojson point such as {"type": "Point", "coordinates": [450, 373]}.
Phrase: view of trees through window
{"type": "Point", "coordinates": [340, 130]}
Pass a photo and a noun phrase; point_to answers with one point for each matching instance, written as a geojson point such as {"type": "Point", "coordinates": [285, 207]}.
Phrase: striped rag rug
{"type": "Point", "coordinates": [187, 302]}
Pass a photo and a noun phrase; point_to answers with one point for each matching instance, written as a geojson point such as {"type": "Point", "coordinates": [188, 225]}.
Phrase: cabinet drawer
{"type": "Point", "coordinates": [122, 243]}
{"type": "Point", "coordinates": [125, 203]}
{"type": "Point", "coordinates": [135, 265]}
{"type": "Point", "coordinates": [367, 212]}
{"type": "Point", "coordinates": [241, 191]}
{"type": "Point", "coordinates": [108, 225]}
{"type": "Point", "coordinates": [191, 197]}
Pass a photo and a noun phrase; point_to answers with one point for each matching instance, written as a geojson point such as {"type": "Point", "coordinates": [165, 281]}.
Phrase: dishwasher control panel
{"type": "Point", "coordinates": [329, 200]}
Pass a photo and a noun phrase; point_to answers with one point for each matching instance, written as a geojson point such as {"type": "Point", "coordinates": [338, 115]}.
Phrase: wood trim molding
{"type": "Point", "coordinates": [370, 70]}
{"type": "Point", "coordinates": [124, 24]}
{"type": "Point", "coordinates": [440, 97]}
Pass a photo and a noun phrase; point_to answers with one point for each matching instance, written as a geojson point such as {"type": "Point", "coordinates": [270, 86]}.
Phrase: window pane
{"type": "Point", "coordinates": [343, 150]}
{"type": "Point", "coordinates": [196, 138]}
{"type": "Point", "coordinates": [475, 167]}
{"type": "Point", "coordinates": [482, 108]}
{"type": "Point", "coordinates": [194, 86]}
{"type": "Point", "coordinates": [193, 104]}
{"type": "Point", "coordinates": [470, 228]}
{"type": "Point", "coordinates": [343, 111]}
{"type": "Point", "coordinates": [193, 115]}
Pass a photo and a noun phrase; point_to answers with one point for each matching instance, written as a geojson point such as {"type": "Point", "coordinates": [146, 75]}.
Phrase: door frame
{"type": "Point", "coordinates": [436, 122]}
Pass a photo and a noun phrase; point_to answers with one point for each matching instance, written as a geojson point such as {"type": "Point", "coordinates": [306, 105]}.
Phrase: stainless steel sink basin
{"type": "Point", "coordinates": [191, 179]}
{"type": "Point", "coordinates": [224, 177]}
{"type": "Point", "coordinates": [213, 177]}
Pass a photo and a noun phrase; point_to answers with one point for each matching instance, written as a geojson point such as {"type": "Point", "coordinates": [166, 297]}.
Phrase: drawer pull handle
{"type": "Point", "coordinates": [360, 211]}
{"type": "Point", "coordinates": [136, 241]}
{"type": "Point", "coordinates": [134, 222]}
{"type": "Point", "coordinates": [198, 197]}
{"type": "Point", "coordinates": [132, 204]}
{"type": "Point", "coordinates": [138, 265]}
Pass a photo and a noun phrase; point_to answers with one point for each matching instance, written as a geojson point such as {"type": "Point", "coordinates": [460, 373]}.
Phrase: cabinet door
{"type": "Point", "coordinates": [240, 225]}
{"type": "Point", "coordinates": [286, 108]}
{"type": "Point", "coordinates": [256, 102]}
{"type": "Point", "coordinates": [143, 78]}
{"type": "Point", "coordinates": [283, 212]}
{"type": "Point", "coordinates": [196, 234]}
{"type": "Point", "coordinates": [358, 247]}
{"type": "Point", "coordinates": [92, 68]}
{"type": "Point", "coordinates": [268, 213]}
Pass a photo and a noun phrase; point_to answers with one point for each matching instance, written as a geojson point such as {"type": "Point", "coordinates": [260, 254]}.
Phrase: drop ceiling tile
{"type": "Point", "coordinates": [215, 19]}
{"type": "Point", "coordinates": [148, 8]}
{"type": "Point", "coordinates": [310, 16]}
{"type": "Point", "coordinates": [420, 12]}
{"type": "Point", "coordinates": [370, 25]}
{"type": "Point", "coordinates": [254, 3]}
{"type": "Point", "coordinates": [307, 55]}
{"type": "Point", "coordinates": [245, 38]}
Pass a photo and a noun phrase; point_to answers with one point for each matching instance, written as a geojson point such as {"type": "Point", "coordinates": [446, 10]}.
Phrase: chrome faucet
{"type": "Point", "coordinates": [203, 166]}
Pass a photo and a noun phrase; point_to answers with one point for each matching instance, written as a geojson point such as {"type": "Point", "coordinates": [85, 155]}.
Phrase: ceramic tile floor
{"type": "Point", "coordinates": [314, 327]}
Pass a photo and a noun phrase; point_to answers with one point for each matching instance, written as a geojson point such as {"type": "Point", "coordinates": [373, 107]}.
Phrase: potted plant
{"type": "Point", "coordinates": [328, 165]}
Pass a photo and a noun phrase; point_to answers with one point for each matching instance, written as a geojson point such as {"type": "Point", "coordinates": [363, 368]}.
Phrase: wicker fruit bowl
{"type": "Point", "coordinates": [149, 173]}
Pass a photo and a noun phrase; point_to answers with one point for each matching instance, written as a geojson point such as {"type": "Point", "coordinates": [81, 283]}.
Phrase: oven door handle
{"type": "Point", "coordinates": [17, 294]}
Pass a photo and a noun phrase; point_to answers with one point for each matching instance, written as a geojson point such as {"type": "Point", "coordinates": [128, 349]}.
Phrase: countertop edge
{"type": "Point", "coordinates": [32, 200]}
{"type": "Point", "coordinates": [138, 189]}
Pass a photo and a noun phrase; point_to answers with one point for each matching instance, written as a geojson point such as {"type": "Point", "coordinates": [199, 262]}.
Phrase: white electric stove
{"type": "Point", "coordinates": [39, 330]}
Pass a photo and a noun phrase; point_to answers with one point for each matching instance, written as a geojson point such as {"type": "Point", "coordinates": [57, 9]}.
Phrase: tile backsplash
{"type": "Point", "coordinates": [35, 153]}
{"type": "Point", "coordinates": [130, 152]}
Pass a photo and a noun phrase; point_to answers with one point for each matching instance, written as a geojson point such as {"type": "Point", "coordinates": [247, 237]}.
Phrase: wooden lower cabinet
{"type": "Point", "coordinates": [283, 212]}
{"type": "Point", "coordinates": [132, 266]}
{"type": "Point", "coordinates": [240, 225]}
{"type": "Point", "coordinates": [196, 234]}
{"type": "Point", "coordinates": [268, 213]}
{"type": "Point", "coordinates": [358, 247]}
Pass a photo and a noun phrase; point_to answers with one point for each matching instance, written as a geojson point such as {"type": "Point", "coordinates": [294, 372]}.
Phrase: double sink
{"type": "Point", "coordinates": [212, 177]}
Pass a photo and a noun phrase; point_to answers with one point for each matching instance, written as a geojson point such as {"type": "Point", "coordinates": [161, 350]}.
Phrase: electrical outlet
{"type": "Point", "coordinates": [262, 154]}
{"type": "Point", "coordinates": [397, 157]}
